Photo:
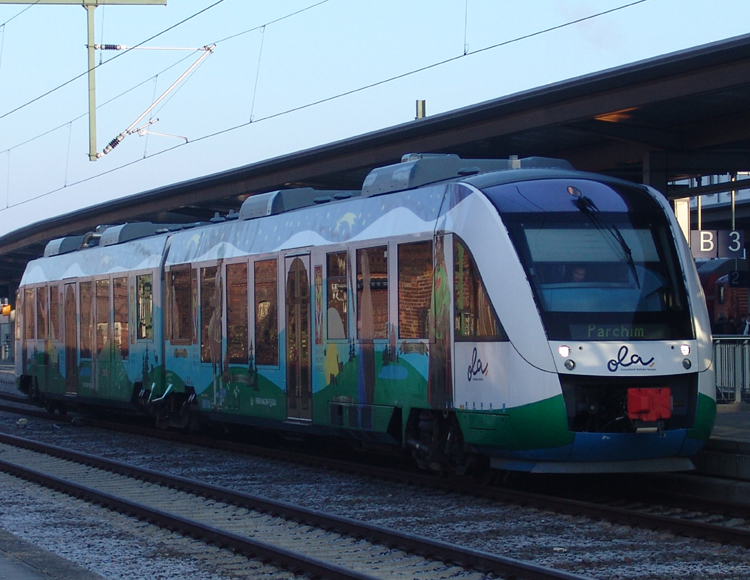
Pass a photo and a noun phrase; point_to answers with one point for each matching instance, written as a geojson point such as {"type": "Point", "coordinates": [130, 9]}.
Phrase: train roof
{"type": "Point", "coordinates": [415, 170]}
{"type": "Point", "coordinates": [500, 178]}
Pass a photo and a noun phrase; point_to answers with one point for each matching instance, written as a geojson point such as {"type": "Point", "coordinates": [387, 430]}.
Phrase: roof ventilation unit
{"type": "Point", "coordinates": [126, 232]}
{"type": "Point", "coordinates": [283, 200]}
{"type": "Point", "coordinates": [418, 169]}
{"type": "Point", "coordinates": [62, 246]}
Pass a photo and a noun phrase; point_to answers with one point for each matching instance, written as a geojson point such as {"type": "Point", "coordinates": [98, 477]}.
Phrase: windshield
{"type": "Point", "coordinates": [600, 258]}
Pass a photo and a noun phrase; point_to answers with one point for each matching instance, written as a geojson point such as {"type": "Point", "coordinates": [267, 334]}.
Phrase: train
{"type": "Point", "coordinates": [478, 314]}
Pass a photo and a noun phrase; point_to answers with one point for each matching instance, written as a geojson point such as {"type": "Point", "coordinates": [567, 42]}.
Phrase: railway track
{"type": "Point", "coordinates": [631, 503]}
{"type": "Point", "coordinates": [299, 539]}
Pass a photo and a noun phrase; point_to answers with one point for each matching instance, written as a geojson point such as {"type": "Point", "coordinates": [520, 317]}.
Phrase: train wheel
{"type": "Point", "coordinates": [438, 445]}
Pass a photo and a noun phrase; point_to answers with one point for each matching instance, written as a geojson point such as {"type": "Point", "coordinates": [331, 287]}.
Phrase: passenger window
{"type": "Point", "coordinates": [211, 313]}
{"type": "Point", "coordinates": [29, 330]}
{"type": "Point", "coordinates": [54, 313]}
{"type": "Point", "coordinates": [337, 288]}
{"type": "Point", "coordinates": [266, 313]}
{"type": "Point", "coordinates": [475, 317]}
{"type": "Point", "coordinates": [144, 307]}
{"type": "Point", "coordinates": [41, 312]}
{"type": "Point", "coordinates": [180, 301]}
{"type": "Point", "coordinates": [85, 307]}
{"type": "Point", "coordinates": [414, 289]}
{"type": "Point", "coordinates": [237, 339]}
{"type": "Point", "coordinates": [372, 293]}
{"type": "Point", "coordinates": [121, 316]}
{"type": "Point", "coordinates": [102, 314]}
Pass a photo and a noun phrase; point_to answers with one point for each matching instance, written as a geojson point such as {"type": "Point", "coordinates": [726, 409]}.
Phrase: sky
{"type": "Point", "coordinates": [285, 76]}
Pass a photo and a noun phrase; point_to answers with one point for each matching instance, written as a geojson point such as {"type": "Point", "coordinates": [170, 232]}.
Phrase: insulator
{"type": "Point", "coordinates": [110, 47]}
{"type": "Point", "coordinates": [114, 143]}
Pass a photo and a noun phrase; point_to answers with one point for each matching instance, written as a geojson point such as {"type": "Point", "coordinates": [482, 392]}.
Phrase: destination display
{"type": "Point", "coordinates": [619, 331]}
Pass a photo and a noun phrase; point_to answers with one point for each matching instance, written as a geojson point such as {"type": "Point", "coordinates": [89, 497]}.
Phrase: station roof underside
{"type": "Point", "coordinates": [656, 121]}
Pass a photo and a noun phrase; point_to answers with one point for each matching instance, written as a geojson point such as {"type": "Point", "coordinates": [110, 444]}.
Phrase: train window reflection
{"type": "Point", "coordinates": [29, 331]}
{"type": "Point", "coordinates": [474, 315]}
{"type": "Point", "coordinates": [41, 312]}
{"type": "Point", "coordinates": [145, 307]}
{"type": "Point", "coordinates": [337, 291]}
{"type": "Point", "coordinates": [266, 313]}
{"type": "Point", "coordinates": [211, 313]}
{"type": "Point", "coordinates": [237, 339]}
{"type": "Point", "coordinates": [372, 293]}
{"type": "Point", "coordinates": [180, 302]}
{"type": "Point", "coordinates": [414, 289]}
{"type": "Point", "coordinates": [54, 312]}
{"type": "Point", "coordinates": [121, 316]}
{"type": "Point", "coordinates": [85, 307]}
{"type": "Point", "coordinates": [102, 314]}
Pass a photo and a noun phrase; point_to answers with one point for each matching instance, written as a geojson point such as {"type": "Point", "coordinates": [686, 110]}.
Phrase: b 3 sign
{"type": "Point", "coordinates": [717, 244]}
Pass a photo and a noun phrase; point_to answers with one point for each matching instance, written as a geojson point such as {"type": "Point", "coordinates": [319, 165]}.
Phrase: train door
{"type": "Point", "coordinates": [54, 337]}
{"type": "Point", "coordinates": [28, 331]}
{"type": "Point", "coordinates": [211, 322]}
{"type": "Point", "coordinates": [102, 359]}
{"type": "Point", "coordinates": [42, 329]}
{"type": "Point", "coordinates": [70, 340]}
{"type": "Point", "coordinates": [297, 307]}
{"type": "Point", "coordinates": [441, 347]}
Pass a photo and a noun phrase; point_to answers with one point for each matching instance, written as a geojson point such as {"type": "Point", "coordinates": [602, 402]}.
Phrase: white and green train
{"type": "Point", "coordinates": [511, 313]}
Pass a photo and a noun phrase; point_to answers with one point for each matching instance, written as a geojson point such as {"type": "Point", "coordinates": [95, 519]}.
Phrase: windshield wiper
{"type": "Point", "coordinates": [587, 207]}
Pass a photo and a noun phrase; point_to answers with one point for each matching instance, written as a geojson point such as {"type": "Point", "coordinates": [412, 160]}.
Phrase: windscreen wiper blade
{"type": "Point", "coordinates": [587, 206]}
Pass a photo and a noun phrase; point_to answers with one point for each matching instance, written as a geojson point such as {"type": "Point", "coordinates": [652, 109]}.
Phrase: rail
{"type": "Point", "coordinates": [732, 362]}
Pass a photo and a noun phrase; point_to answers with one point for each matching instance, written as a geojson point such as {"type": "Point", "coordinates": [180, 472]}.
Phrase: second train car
{"type": "Point", "coordinates": [511, 313]}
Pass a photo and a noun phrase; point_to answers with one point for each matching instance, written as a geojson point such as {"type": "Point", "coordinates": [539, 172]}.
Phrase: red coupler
{"type": "Point", "coordinates": [649, 404]}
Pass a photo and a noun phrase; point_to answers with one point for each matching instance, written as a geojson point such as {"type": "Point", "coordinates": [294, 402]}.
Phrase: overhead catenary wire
{"type": "Point", "coordinates": [67, 158]}
{"type": "Point", "coordinates": [19, 13]}
{"type": "Point", "coordinates": [139, 45]}
{"type": "Point", "coordinates": [157, 35]}
{"type": "Point", "coordinates": [336, 96]}
{"type": "Point", "coordinates": [85, 73]}
{"type": "Point", "coordinates": [257, 72]}
{"type": "Point", "coordinates": [104, 104]}
{"type": "Point", "coordinates": [2, 26]}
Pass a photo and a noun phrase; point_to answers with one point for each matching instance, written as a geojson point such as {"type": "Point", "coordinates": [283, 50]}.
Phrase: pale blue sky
{"type": "Point", "coordinates": [324, 50]}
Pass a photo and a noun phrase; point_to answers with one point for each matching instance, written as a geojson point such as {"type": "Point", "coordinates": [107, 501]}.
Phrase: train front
{"type": "Point", "coordinates": [625, 321]}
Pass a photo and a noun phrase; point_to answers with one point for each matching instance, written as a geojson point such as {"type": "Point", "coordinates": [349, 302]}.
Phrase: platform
{"type": "Point", "coordinates": [733, 422]}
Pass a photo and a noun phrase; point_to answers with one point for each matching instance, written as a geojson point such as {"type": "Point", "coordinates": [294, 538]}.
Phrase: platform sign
{"type": "Point", "coordinates": [717, 244]}
{"type": "Point", "coordinates": [738, 279]}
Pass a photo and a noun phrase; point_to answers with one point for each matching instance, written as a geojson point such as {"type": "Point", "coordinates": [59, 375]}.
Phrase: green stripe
{"type": "Point", "coordinates": [705, 417]}
{"type": "Point", "coordinates": [539, 425]}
